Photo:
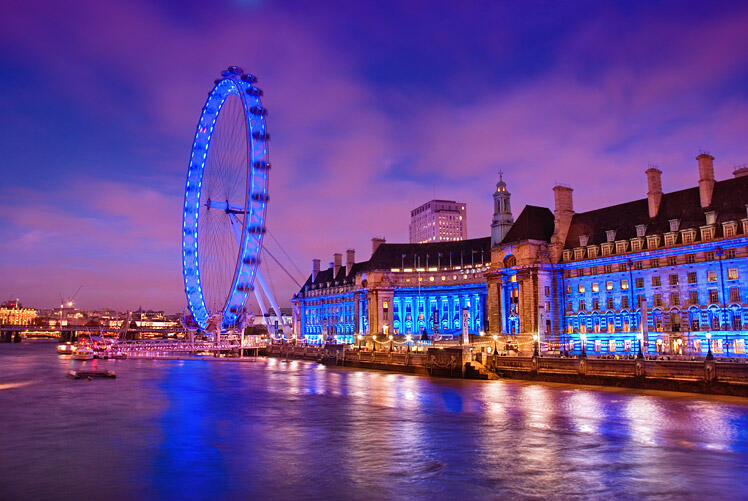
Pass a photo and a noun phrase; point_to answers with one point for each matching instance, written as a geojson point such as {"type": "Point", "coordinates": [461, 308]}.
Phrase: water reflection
{"type": "Point", "coordinates": [290, 429]}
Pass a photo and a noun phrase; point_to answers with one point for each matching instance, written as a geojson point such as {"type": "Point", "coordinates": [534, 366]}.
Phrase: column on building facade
{"type": "Point", "coordinates": [545, 279]}
{"type": "Point", "coordinates": [528, 300]}
{"type": "Point", "coordinates": [495, 303]}
{"type": "Point", "coordinates": [356, 312]}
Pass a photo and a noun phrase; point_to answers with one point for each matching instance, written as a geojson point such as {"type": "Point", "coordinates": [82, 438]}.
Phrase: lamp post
{"type": "Point", "coordinates": [709, 355]}
{"type": "Point", "coordinates": [639, 337]}
{"type": "Point", "coordinates": [407, 339]}
{"type": "Point", "coordinates": [495, 348]}
{"type": "Point", "coordinates": [374, 343]}
{"type": "Point", "coordinates": [360, 338]}
{"type": "Point", "coordinates": [583, 339]}
{"type": "Point", "coordinates": [535, 345]}
{"type": "Point", "coordinates": [391, 343]}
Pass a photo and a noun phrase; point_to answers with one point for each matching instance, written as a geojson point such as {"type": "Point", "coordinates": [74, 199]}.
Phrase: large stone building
{"type": "Point", "coordinates": [668, 270]}
{"type": "Point", "coordinates": [438, 221]}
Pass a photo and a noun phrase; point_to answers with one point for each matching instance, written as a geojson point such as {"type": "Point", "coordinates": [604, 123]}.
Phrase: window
{"type": "Point", "coordinates": [670, 239]}
{"type": "Point", "coordinates": [595, 304]}
{"type": "Point", "coordinates": [609, 303]}
{"type": "Point", "coordinates": [654, 263]}
{"type": "Point", "coordinates": [581, 305]}
{"type": "Point", "coordinates": [593, 270]}
{"type": "Point", "coordinates": [621, 247]}
{"type": "Point", "coordinates": [730, 254]}
{"type": "Point", "coordinates": [691, 277]}
{"type": "Point", "coordinates": [570, 307]}
{"type": "Point", "coordinates": [657, 300]}
{"type": "Point", "coordinates": [687, 237]}
{"type": "Point", "coordinates": [625, 302]}
{"type": "Point", "coordinates": [713, 296]}
{"type": "Point", "coordinates": [595, 287]}
{"type": "Point", "coordinates": [580, 287]}
{"type": "Point", "coordinates": [732, 273]}
{"type": "Point", "coordinates": [568, 289]}
{"type": "Point", "coordinates": [711, 275]}
{"type": "Point", "coordinates": [706, 233]}
{"type": "Point", "coordinates": [728, 230]}
{"type": "Point", "coordinates": [673, 279]}
{"type": "Point", "coordinates": [693, 298]}
{"type": "Point", "coordinates": [609, 285]}
{"type": "Point", "coordinates": [580, 272]}
{"type": "Point", "coordinates": [674, 299]}
{"type": "Point", "coordinates": [636, 245]}
{"type": "Point", "coordinates": [639, 300]}
{"type": "Point", "coordinates": [624, 284]}
{"type": "Point", "coordinates": [638, 265]}
{"type": "Point", "coordinates": [734, 295]}
{"type": "Point", "coordinates": [608, 268]}
{"type": "Point", "coordinates": [641, 229]}
{"type": "Point", "coordinates": [672, 261]}
{"type": "Point", "coordinates": [709, 256]}
{"type": "Point", "coordinates": [621, 266]}
{"type": "Point", "coordinates": [656, 281]}
{"type": "Point", "coordinates": [690, 258]}
{"type": "Point", "coordinates": [639, 282]}
{"type": "Point", "coordinates": [547, 290]}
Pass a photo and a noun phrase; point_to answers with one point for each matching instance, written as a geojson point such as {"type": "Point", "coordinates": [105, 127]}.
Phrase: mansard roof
{"type": "Point", "coordinates": [728, 201]}
{"type": "Point", "coordinates": [387, 256]}
{"type": "Point", "coordinates": [462, 251]}
{"type": "Point", "coordinates": [533, 223]}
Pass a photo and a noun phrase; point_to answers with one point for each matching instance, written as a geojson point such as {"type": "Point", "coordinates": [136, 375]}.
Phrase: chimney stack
{"type": "Point", "coordinates": [706, 179]}
{"type": "Point", "coordinates": [315, 269]}
{"type": "Point", "coordinates": [654, 190]}
{"type": "Point", "coordinates": [740, 171]}
{"type": "Point", "coordinates": [375, 243]}
{"type": "Point", "coordinates": [350, 259]}
{"type": "Point", "coordinates": [337, 260]}
{"type": "Point", "coordinates": [562, 214]}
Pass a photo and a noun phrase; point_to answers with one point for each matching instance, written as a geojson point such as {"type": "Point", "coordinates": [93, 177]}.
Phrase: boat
{"type": "Point", "coordinates": [83, 353]}
{"type": "Point", "coordinates": [65, 349]}
{"type": "Point", "coordinates": [90, 374]}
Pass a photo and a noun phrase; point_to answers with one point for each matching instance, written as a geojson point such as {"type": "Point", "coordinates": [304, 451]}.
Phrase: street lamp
{"type": "Point", "coordinates": [639, 338]}
{"type": "Point", "coordinates": [709, 355]}
{"type": "Point", "coordinates": [495, 348]}
{"type": "Point", "coordinates": [373, 343]}
{"type": "Point", "coordinates": [391, 343]}
{"type": "Point", "coordinates": [535, 345]}
{"type": "Point", "coordinates": [360, 339]}
{"type": "Point", "coordinates": [408, 338]}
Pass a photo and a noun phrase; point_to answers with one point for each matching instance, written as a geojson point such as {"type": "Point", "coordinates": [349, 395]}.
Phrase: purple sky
{"type": "Point", "coordinates": [376, 107]}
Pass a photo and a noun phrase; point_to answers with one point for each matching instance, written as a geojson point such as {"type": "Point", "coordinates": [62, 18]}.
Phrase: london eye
{"type": "Point", "coordinates": [225, 203]}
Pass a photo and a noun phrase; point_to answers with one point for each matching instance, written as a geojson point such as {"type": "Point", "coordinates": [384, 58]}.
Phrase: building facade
{"type": "Point", "coordinates": [668, 271]}
{"type": "Point", "coordinates": [438, 221]}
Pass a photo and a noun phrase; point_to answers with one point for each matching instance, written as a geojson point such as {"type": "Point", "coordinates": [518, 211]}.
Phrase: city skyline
{"type": "Point", "coordinates": [103, 118]}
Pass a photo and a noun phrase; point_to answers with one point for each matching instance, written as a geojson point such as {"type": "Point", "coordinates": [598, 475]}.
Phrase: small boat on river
{"type": "Point", "coordinates": [65, 349]}
{"type": "Point", "coordinates": [83, 353]}
{"type": "Point", "coordinates": [89, 374]}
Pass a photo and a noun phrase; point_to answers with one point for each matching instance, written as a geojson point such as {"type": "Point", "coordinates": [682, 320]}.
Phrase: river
{"type": "Point", "coordinates": [271, 429]}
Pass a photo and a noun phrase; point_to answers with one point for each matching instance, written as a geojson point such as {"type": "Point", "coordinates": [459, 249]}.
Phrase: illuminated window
{"type": "Point", "coordinates": [580, 287]}
{"type": "Point", "coordinates": [711, 275]}
{"type": "Point", "coordinates": [732, 273]}
{"type": "Point", "coordinates": [609, 285]}
{"type": "Point", "coordinates": [568, 289]}
{"type": "Point", "coordinates": [595, 287]}
{"type": "Point", "coordinates": [624, 284]}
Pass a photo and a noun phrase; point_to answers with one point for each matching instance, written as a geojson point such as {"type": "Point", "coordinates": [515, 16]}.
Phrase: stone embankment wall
{"type": "Point", "coordinates": [700, 376]}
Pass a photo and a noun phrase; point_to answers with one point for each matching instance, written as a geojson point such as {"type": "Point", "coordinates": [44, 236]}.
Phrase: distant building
{"type": "Point", "coordinates": [502, 212]}
{"type": "Point", "coordinates": [13, 313]}
{"type": "Point", "coordinates": [438, 221]}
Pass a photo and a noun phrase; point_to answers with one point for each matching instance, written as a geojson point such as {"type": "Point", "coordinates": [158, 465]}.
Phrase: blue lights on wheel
{"type": "Point", "coordinates": [253, 207]}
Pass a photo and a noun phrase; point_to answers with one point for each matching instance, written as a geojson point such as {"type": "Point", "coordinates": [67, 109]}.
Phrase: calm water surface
{"type": "Point", "coordinates": [268, 429]}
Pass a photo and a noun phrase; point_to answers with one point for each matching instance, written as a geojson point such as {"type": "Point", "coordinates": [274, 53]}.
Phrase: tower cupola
{"type": "Point", "coordinates": [502, 212]}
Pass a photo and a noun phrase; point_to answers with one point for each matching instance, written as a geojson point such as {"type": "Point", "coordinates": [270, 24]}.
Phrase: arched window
{"type": "Point", "coordinates": [510, 261]}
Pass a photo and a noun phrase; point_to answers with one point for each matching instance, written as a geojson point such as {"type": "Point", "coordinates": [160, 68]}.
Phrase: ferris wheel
{"type": "Point", "coordinates": [225, 204]}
